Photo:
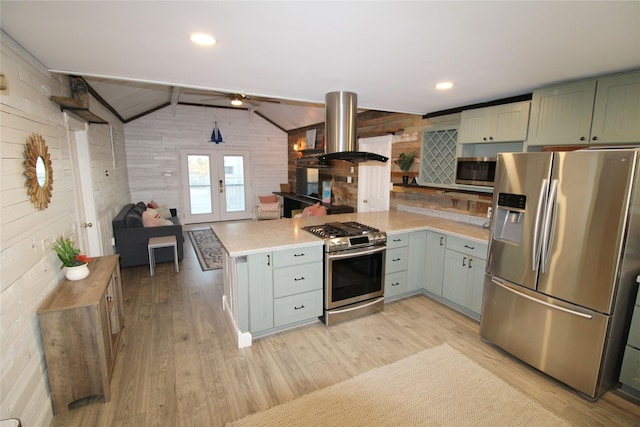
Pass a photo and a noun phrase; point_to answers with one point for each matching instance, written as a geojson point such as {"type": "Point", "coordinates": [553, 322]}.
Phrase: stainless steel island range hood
{"type": "Point", "coordinates": [341, 113]}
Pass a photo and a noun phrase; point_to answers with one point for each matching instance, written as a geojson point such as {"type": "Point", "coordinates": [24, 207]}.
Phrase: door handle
{"type": "Point", "coordinates": [87, 225]}
{"type": "Point", "coordinates": [220, 187]}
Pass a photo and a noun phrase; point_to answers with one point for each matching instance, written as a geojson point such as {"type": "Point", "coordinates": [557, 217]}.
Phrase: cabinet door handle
{"type": "Point", "coordinates": [463, 261]}
{"type": "Point", "coordinates": [441, 240]}
{"type": "Point", "coordinates": [469, 247]}
{"type": "Point", "coordinates": [295, 279]}
{"type": "Point", "coordinates": [268, 259]}
{"type": "Point", "coordinates": [395, 284]}
{"type": "Point", "coordinates": [397, 240]}
{"type": "Point", "coordinates": [298, 308]}
{"type": "Point", "coordinates": [109, 297]}
{"type": "Point", "coordinates": [396, 259]}
{"type": "Point", "coordinates": [295, 255]}
{"type": "Point", "coordinates": [470, 262]}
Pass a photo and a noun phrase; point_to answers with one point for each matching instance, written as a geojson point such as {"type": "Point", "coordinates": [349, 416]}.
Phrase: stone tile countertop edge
{"type": "Point", "coordinates": [241, 238]}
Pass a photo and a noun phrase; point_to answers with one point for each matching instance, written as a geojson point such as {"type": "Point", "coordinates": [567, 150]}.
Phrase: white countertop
{"type": "Point", "coordinates": [248, 237]}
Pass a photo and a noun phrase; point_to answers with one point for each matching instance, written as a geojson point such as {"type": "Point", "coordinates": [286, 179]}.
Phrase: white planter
{"type": "Point", "coordinates": [76, 273]}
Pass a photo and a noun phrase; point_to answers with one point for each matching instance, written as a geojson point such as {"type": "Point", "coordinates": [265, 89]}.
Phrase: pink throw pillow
{"type": "Point", "coordinates": [268, 199]}
{"type": "Point", "coordinates": [152, 205]}
{"type": "Point", "coordinates": [269, 207]}
{"type": "Point", "coordinates": [150, 218]}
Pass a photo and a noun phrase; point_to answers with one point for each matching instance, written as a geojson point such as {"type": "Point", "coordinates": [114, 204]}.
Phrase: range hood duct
{"type": "Point", "coordinates": [340, 129]}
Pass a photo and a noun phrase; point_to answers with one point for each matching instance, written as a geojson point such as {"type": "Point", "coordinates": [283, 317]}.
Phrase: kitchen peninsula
{"type": "Point", "coordinates": [260, 256]}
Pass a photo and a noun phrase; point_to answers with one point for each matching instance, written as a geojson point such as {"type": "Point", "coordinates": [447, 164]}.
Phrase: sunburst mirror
{"type": "Point", "coordinates": [39, 171]}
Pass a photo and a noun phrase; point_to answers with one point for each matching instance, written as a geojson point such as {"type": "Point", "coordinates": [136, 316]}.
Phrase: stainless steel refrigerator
{"type": "Point", "coordinates": [563, 255]}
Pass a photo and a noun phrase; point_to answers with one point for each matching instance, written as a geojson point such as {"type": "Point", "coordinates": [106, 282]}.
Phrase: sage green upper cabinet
{"type": "Point", "coordinates": [561, 115]}
{"type": "Point", "coordinates": [596, 111]}
{"type": "Point", "coordinates": [501, 123]}
{"type": "Point", "coordinates": [616, 112]}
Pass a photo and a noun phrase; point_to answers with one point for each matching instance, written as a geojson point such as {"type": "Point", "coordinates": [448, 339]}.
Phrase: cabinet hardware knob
{"type": "Point", "coordinates": [298, 308]}
{"type": "Point", "coordinates": [109, 297]}
{"type": "Point", "coordinates": [490, 138]}
{"type": "Point", "coordinates": [87, 225]}
{"type": "Point", "coordinates": [484, 138]}
{"type": "Point", "coordinates": [595, 138]}
{"type": "Point", "coordinates": [582, 138]}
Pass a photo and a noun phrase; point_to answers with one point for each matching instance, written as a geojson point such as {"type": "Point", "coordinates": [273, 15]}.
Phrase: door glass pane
{"type": "Point", "coordinates": [199, 184]}
{"type": "Point", "coordinates": [234, 183]}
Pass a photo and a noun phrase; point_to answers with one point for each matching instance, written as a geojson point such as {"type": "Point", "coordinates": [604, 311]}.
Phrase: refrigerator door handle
{"type": "Point", "coordinates": [547, 226]}
{"type": "Point", "coordinates": [546, 304]}
{"type": "Point", "coordinates": [542, 200]}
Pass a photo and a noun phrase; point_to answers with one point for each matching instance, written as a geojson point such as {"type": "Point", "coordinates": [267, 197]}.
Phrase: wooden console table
{"type": "Point", "coordinates": [80, 323]}
{"type": "Point", "coordinates": [293, 201]}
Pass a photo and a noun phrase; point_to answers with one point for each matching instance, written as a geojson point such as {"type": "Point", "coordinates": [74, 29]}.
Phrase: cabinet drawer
{"type": "Point", "coordinates": [396, 260]}
{"type": "Point", "coordinates": [630, 371]}
{"type": "Point", "coordinates": [296, 308]}
{"type": "Point", "coordinates": [297, 279]}
{"type": "Point", "coordinates": [297, 256]}
{"type": "Point", "coordinates": [397, 240]}
{"type": "Point", "coordinates": [634, 330]}
{"type": "Point", "coordinates": [469, 247]}
{"type": "Point", "coordinates": [395, 284]}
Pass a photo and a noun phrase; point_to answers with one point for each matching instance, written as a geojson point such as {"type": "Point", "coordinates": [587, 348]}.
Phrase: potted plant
{"type": "Point", "coordinates": [74, 263]}
{"type": "Point", "coordinates": [404, 161]}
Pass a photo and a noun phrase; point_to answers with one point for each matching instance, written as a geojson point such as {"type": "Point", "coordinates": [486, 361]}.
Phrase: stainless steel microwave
{"type": "Point", "coordinates": [476, 171]}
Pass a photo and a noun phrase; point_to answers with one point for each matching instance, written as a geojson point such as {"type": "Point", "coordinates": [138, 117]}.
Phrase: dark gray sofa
{"type": "Point", "coordinates": [132, 238]}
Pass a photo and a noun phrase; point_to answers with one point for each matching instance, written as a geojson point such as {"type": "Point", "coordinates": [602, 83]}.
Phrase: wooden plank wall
{"type": "Point", "coordinates": [153, 143]}
{"type": "Point", "coordinates": [29, 269]}
{"type": "Point", "coordinates": [407, 136]}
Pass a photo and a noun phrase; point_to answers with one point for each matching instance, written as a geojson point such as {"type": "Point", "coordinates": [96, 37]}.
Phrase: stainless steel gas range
{"type": "Point", "coordinates": [354, 258]}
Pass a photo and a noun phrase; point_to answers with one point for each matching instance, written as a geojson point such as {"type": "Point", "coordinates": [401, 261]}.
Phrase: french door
{"type": "Point", "coordinates": [215, 185]}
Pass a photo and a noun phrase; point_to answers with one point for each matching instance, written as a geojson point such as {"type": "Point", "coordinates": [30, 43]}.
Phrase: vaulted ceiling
{"type": "Point", "coordinates": [137, 55]}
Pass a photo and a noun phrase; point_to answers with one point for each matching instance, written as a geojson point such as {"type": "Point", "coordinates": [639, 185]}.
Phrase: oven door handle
{"type": "Point", "coordinates": [355, 252]}
{"type": "Point", "coordinates": [357, 306]}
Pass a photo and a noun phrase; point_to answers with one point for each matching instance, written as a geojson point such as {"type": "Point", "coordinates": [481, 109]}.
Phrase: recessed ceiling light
{"type": "Point", "coordinates": [236, 102]}
{"type": "Point", "coordinates": [202, 39]}
{"type": "Point", "coordinates": [444, 85]}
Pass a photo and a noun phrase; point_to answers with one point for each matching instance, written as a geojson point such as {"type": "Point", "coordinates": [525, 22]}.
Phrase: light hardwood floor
{"type": "Point", "coordinates": [178, 365]}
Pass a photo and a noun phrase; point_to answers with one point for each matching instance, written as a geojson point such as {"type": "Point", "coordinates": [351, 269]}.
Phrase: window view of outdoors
{"type": "Point", "coordinates": [199, 184]}
{"type": "Point", "coordinates": [234, 183]}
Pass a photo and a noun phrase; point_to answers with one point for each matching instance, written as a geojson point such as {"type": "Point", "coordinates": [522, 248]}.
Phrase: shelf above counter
{"type": "Point", "coordinates": [72, 105]}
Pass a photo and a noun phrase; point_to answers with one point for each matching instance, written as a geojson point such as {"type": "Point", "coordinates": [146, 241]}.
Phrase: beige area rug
{"type": "Point", "coordinates": [436, 387]}
{"type": "Point", "coordinates": [208, 248]}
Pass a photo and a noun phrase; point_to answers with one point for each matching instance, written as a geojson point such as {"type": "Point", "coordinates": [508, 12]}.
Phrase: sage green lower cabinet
{"type": "Point", "coordinates": [630, 371]}
{"type": "Point", "coordinates": [416, 266]}
{"type": "Point", "coordinates": [260, 280]}
{"type": "Point", "coordinates": [464, 266]}
{"type": "Point", "coordinates": [285, 287]}
{"type": "Point", "coordinates": [434, 262]}
{"type": "Point", "coordinates": [395, 267]}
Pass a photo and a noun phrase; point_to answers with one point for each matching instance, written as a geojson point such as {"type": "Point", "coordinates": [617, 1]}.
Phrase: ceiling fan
{"type": "Point", "coordinates": [239, 99]}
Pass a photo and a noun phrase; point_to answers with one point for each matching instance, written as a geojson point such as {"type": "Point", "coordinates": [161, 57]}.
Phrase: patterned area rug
{"type": "Point", "coordinates": [207, 248]}
{"type": "Point", "coordinates": [435, 387]}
